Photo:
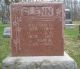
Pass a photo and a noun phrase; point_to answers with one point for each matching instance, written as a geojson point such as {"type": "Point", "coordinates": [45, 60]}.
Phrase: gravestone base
{"type": "Point", "coordinates": [40, 62]}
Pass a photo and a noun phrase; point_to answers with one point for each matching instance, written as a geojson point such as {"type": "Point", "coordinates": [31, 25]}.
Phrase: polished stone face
{"type": "Point", "coordinates": [37, 29]}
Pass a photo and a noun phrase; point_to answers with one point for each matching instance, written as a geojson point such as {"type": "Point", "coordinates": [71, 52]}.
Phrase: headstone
{"type": "Point", "coordinates": [37, 29]}
{"type": "Point", "coordinates": [7, 32]}
{"type": "Point", "coordinates": [68, 19]}
{"type": "Point", "coordinates": [37, 37]}
{"type": "Point", "coordinates": [70, 26]}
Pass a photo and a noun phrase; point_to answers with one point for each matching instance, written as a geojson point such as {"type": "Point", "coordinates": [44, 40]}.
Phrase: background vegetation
{"type": "Point", "coordinates": [4, 44]}
{"type": "Point", "coordinates": [72, 43]}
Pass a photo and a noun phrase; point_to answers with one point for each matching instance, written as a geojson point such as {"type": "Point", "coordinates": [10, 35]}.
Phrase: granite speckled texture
{"type": "Point", "coordinates": [40, 62]}
{"type": "Point", "coordinates": [37, 29]}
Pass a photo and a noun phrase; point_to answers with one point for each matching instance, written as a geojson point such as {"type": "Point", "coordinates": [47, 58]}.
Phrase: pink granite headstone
{"type": "Point", "coordinates": [37, 29]}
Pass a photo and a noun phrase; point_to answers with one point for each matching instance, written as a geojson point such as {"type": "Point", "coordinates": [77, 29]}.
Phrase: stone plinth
{"type": "Point", "coordinates": [40, 62]}
{"type": "Point", "coordinates": [37, 29]}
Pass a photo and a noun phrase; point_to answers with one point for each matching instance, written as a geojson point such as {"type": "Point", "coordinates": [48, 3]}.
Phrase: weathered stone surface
{"type": "Point", "coordinates": [40, 62]}
{"type": "Point", "coordinates": [37, 29]}
{"type": "Point", "coordinates": [7, 32]}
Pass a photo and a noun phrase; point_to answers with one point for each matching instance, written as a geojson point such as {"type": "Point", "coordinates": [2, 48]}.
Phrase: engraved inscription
{"type": "Point", "coordinates": [38, 11]}
{"type": "Point", "coordinates": [44, 30]}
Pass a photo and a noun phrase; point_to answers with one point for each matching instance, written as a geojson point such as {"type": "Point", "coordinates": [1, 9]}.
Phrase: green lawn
{"type": "Point", "coordinates": [4, 44]}
{"type": "Point", "coordinates": [72, 44]}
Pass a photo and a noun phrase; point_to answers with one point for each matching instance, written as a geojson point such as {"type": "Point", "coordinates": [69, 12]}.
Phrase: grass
{"type": "Point", "coordinates": [72, 44]}
{"type": "Point", "coordinates": [4, 44]}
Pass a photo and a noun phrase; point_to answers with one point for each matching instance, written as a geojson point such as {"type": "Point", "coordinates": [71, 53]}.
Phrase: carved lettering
{"type": "Point", "coordinates": [37, 11]}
